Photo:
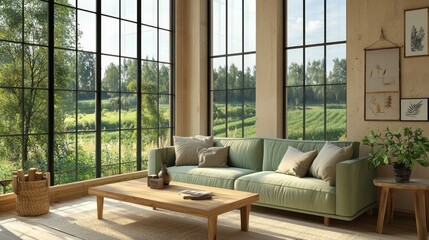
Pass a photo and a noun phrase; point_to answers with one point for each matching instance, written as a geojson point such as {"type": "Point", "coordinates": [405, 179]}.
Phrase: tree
{"type": "Point", "coordinates": [295, 74]}
{"type": "Point", "coordinates": [129, 75]}
{"type": "Point", "coordinates": [24, 69]}
{"type": "Point", "coordinates": [315, 72]}
{"type": "Point", "coordinates": [219, 78]}
{"type": "Point", "coordinates": [86, 71]}
{"type": "Point", "coordinates": [339, 71]}
{"type": "Point", "coordinates": [338, 75]}
{"type": "Point", "coordinates": [235, 81]}
{"type": "Point", "coordinates": [111, 78]}
{"type": "Point", "coordinates": [164, 79]}
{"type": "Point", "coordinates": [249, 82]}
{"type": "Point", "coordinates": [295, 77]}
{"type": "Point", "coordinates": [151, 99]}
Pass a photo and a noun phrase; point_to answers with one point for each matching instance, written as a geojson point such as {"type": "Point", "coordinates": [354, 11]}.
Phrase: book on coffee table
{"type": "Point", "coordinates": [196, 195]}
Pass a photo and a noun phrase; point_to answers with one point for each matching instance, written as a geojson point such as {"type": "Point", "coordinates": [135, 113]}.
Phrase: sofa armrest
{"type": "Point", "coordinates": [354, 188]}
{"type": "Point", "coordinates": [157, 156]}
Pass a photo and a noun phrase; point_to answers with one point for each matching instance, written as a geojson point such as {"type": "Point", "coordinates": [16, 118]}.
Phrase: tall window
{"type": "Point", "coordinates": [108, 69]}
{"type": "Point", "coordinates": [315, 83]}
{"type": "Point", "coordinates": [232, 67]}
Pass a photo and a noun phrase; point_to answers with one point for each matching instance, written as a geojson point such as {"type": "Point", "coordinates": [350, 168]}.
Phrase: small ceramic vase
{"type": "Point", "coordinates": [165, 174]}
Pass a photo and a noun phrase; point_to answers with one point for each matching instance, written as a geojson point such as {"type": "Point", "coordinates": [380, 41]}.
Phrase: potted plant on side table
{"type": "Point", "coordinates": [403, 149]}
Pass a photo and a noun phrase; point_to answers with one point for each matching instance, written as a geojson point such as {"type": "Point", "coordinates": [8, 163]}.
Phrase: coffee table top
{"type": "Point", "coordinates": [137, 191]}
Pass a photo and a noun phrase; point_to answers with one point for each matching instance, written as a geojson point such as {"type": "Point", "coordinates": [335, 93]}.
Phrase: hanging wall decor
{"type": "Point", "coordinates": [414, 109]}
{"type": "Point", "coordinates": [382, 84]}
{"type": "Point", "coordinates": [416, 32]}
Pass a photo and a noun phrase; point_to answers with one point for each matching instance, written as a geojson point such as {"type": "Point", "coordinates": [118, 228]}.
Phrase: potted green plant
{"type": "Point", "coordinates": [403, 149]}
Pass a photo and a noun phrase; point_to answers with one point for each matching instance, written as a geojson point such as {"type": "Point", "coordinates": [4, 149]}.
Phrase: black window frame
{"type": "Point", "coordinates": [226, 55]}
{"type": "Point", "coordinates": [50, 89]}
{"type": "Point", "coordinates": [325, 84]}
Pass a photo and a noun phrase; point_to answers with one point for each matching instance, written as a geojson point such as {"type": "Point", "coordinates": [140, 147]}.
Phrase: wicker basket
{"type": "Point", "coordinates": [32, 198]}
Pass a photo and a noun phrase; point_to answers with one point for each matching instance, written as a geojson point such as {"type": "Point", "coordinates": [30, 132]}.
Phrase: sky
{"type": "Point", "coordinates": [234, 31]}
{"type": "Point", "coordinates": [122, 34]}
{"type": "Point", "coordinates": [314, 29]}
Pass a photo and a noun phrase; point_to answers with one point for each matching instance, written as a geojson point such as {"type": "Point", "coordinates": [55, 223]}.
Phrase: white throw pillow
{"type": "Point", "coordinates": [186, 148]}
{"type": "Point", "coordinates": [213, 157]}
{"type": "Point", "coordinates": [295, 162]}
{"type": "Point", "coordinates": [325, 164]}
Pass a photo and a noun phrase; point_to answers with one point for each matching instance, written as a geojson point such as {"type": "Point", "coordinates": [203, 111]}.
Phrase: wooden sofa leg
{"type": "Point", "coordinates": [326, 221]}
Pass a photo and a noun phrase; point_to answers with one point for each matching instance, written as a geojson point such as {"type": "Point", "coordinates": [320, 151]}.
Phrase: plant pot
{"type": "Point", "coordinates": [402, 174]}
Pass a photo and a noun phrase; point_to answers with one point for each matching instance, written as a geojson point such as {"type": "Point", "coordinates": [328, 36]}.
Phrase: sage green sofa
{"type": "Point", "coordinates": [252, 163]}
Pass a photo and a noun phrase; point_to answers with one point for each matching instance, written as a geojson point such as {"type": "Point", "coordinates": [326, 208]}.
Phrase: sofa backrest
{"type": "Point", "coordinates": [243, 152]}
{"type": "Point", "coordinates": [275, 149]}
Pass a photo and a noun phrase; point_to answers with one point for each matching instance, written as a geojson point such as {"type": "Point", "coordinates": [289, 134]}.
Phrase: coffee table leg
{"type": "Point", "coordinates": [244, 213]}
{"type": "Point", "coordinates": [212, 227]}
{"type": "Point", "coordinates": [100, 203]}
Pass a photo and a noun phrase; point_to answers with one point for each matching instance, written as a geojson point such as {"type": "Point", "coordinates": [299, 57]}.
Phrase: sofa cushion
{"type": "Point", "coordinates": [243, 152]}
{"type": "Point", "coordinates": [213, 157]}
{"type": "Point", "coordinates": [213, 177]}
{"type": "Point", "coordinates": [275, 149]}
{"type": "Point", "coordinates": [324, 166]}
{"type": "Point", "coordinates": [295, 162]}
{"type": "Point", "coordinates": [307, 193]}
{"type": "Point", "coordinates": [186, 148]}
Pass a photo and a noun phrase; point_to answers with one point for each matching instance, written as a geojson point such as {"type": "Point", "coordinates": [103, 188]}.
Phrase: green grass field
{"type": "Point", "coordinates": [335, 124]}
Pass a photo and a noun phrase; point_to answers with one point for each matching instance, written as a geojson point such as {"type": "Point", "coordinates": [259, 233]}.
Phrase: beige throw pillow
{"type": "Point", "coordinates": [213, 157]}
{"type": "Point", "coordinates": [186, 148]}
{"type": "Point", "coordinates": [295, 162]}
{"type": "Point", "coordinates": [324, 166]}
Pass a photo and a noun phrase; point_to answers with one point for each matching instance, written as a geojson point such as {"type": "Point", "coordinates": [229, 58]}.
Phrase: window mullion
{"type": "Point", "coordinates": [304, 102]}
{"type": "Point", "coordinates": [51, 100]}
{"type": "Point", "coordinates": [139, 87]}
{"type": "Point", "coordinates": [325, 112]}
{"type": "Point", "coordinates": [98, 94]}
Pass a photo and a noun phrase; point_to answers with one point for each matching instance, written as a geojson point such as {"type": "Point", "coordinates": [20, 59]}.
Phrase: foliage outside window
{"type": "Point", "coordinates": [232, 72]}
{"type": "Point", "coordinates": [315, 84]}
{"type": "Point", "coordinates": [78, 98]}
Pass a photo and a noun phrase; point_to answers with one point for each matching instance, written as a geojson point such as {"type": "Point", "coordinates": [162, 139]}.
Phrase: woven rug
{"type": "Point", "coordinates": [77, 219]}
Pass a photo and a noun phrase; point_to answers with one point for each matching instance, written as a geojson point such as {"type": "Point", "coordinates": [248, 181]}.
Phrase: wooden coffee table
{"type": "Point", "coordinates": [169, 198]}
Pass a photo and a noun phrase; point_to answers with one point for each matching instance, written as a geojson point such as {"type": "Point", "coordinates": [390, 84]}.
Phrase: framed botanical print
{"type": "Point", "coordinates": [382, 84]}
{"type": "Point", "coordinates": [416, 32]}
{"type": "Point", "coordinates": [414, 109]}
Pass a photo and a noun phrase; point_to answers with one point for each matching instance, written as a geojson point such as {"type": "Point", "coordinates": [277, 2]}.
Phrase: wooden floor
{"type": "Point", "coordinates": [403, 226]}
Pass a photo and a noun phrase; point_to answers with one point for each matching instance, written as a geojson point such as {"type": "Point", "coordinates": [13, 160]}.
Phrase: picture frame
{"type": "Point", "coordinates": [416, 32]}
{"type": "Point", "coordinates": [382, 84]}
{"type": "Point", "coordinates": [414, 109]}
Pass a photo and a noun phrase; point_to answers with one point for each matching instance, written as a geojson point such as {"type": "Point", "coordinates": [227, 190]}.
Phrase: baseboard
{"type": "Point", "coordinates": [397, 212]}
{"type": "Point", "coordinates": [69, 191]}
